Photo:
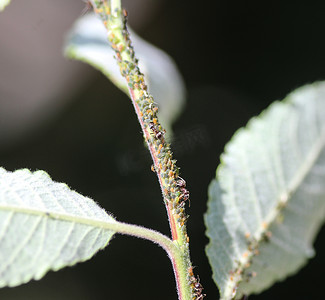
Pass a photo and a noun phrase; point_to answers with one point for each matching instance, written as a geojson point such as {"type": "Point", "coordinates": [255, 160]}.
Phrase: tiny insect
{"type": "Point", "coordinates": [250, 275]}
{"type": "Point", "coordinates": [198, 290]}
{"type": "Point", "coordinates": [152, 106]}
{"type": "Point", "coordinates": [185, 194]}
{"type": "Point", "coordinates": [125, 19]}
{"type": "Point", "coordinates": [157, 133]}
{"type": "Point", "coordinates": [152, 126]}
{"type": "Point", "coordinates": [181, 182]}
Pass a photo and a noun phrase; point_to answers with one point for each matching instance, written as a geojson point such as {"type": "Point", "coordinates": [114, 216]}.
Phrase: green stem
{"type": "Point", "coordinates": [173, 189]}
{"type": "Point", "coordinates": [174, 253]}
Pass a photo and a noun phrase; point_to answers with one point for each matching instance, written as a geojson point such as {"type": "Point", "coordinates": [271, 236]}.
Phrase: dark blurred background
{"type": "Point", "coordinates": [61, 116]}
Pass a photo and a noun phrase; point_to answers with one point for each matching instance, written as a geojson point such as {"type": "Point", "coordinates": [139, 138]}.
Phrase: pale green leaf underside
{"type": "Point", "coordinates": [45, 226]}
{"type": "Point", "coordinates": [271, 180]}
{"type": "Point", "coordinates": [3, 4]}
{"type": "Point", "coordinates": [88, 42]}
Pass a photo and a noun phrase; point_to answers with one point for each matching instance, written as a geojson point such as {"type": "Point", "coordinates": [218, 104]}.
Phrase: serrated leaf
{"type": "Point", "coordinates": [45, 226]}
{"type": "Point", "coordinates": [269, 202]}
{"type": "Point", "coordinates": [3, 4]}
{"type": "Point", "coordinates": [87, 41]}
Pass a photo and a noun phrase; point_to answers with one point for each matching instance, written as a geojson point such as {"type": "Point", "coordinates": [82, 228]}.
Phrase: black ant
{"type": "Point", "coordinates": [198, 288]}
{"type": "Point", "coordinates": [153, 128]}
{"type": "Point", "coordinates": [181, 183]}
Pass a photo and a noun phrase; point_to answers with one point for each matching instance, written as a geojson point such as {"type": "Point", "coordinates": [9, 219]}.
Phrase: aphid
{"type": "Point", "coordinates": [143, 86]}
{"type": "Point", "coordinates": [264, 225]}
{"type": "Point", "coordinates": [247, 235]}
{"type": "Point", "coordinates": [159, 148]}
{"type": "Point", "coordinates": [266, 236]}
{"type": "Point", "coordinates": [153, 106]}
{"type": "Point", "coordinates": [250, 275]}
{"type": "Point", "coordinates": [120, 47]}
{"type": "Point", "coordinates": [234, 291]}
{"type": "Point", "coordinates": [118, 55]}
{"type": "Point", "coordinates": [245, 254]}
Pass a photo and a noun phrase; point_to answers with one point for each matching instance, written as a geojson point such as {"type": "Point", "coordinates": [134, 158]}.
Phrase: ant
{"type": "Point", "coordinates": [198, 289]}
{"type": "Point", "coordinates": [153, 128]}
{"type": "Point", "coordinates": [181, 183]}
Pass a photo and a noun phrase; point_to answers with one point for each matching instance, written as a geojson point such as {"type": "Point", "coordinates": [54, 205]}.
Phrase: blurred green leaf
{"type": "Point", "coordinates": [269, 201]}
{"type": "Point", "coordinates": [3, 4]}
{"type": "Point", "coordinates": [45, 226]}
{"type": "Point", "coordinates": [87, 41]}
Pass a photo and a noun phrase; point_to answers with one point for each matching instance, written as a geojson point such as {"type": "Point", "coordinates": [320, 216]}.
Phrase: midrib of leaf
{"type": "Point", "coordinates": [292, 187]}
{"type": "Point", "coordinates": [113, 225]}
{"type": "Point", "coordinates": [300, 175]}
{"type": "Point", "coordinates": [58, 216]}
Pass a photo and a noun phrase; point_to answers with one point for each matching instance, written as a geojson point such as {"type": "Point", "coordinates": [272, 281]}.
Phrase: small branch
{"type": "Point", "coordinates": [172, 186]}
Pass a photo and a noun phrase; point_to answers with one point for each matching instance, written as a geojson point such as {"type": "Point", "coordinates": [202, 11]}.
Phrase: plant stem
{"type": "Point", "coordinates": [174, 253]}
{"type": "Point", "coordinates": [172, 187]}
